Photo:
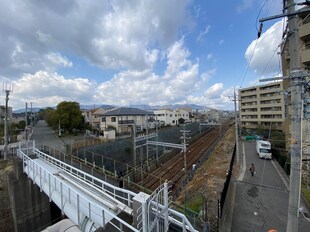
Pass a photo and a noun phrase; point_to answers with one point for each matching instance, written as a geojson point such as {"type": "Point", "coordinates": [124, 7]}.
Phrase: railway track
{"type": "Point", "coordinates": [173, 170]}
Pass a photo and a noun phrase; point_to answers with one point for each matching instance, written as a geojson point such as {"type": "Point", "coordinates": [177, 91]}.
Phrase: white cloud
{"type": "Point", "coordinates": [48, 89]}
{"type": "Point", "coordinates": [245, 4]}
{"type": "Point", "coordinates": [262, 53]}
{"type": "Point", "coordinates": [145, 87]}
{"type": "Point", "coordinates": [108, 34]}
{"type": "Point", "coordinates": [58, 60]}
{"type": "Point", "coordinates": [216, 97]}
{"type": "Point", "coordinates": [39, 39]}
{"type": "Point", "coordinates": [177, 59]}
{"type": "Point", "coordinates": [214, 91]}
{"type": "Point", "coordinates": [203, 33]}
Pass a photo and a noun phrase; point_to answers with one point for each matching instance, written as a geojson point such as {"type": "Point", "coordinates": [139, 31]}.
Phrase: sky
{"type": "Point", "coordinates": [136, 52]}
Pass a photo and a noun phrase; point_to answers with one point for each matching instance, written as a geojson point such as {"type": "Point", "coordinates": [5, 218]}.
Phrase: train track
{"type": "Point", "coordinates": [173, 170]}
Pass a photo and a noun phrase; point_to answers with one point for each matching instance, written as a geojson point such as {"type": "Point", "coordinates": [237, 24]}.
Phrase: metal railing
{"type": "Point", "coordinates": [91, 202]}
{"type": "Point", "coordinates": [83, 206]}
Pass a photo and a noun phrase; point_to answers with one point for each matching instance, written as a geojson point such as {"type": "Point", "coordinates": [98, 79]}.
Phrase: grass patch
{"type": "Point", "coordinates": [195, 203]}
{"type": "Point", "coordinates": [305, 192]}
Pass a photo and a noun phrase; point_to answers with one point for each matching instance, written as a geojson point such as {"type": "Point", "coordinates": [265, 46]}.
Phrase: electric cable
{"type": "Point", "coordinates": [259, 31]}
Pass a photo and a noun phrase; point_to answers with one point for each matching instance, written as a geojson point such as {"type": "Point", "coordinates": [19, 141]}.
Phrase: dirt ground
{"type": "Point", "coordinates": [206, 186]}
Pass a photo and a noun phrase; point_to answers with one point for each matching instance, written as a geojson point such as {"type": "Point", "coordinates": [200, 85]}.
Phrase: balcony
{"type": "Point", "coordinates": [248, 93]}
{"type": "Point", "coordinates": [304, 31]}
{"type": "Point", "coordinates": [126, 122]}
{"type": "Point", "coordinates": [305, 56]}
{"type": "Point", "coordinates": [249, 100]}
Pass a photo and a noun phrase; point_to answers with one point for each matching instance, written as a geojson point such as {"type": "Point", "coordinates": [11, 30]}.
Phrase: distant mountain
{"type": "Point", "coordinates": [23, 110]}
{"type": "Point", "coordinates": [172, 106]}
{"type": "Point", "coordinates": [90, 107]}
{"type": "Point", "coordinates": [107, 107]}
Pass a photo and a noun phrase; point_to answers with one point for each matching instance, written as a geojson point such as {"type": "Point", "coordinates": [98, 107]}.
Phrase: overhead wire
{"type": "Point", "coordinates": [260, 196]}
{"type": "Point", "coordinates": [259, 31]}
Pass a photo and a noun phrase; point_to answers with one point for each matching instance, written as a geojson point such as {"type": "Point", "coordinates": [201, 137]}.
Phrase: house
{"type": "Point", "coordinates": [171, 117]}
{"type": "Point", "coordinates": [123, 119]}
{"type": "Point", "coordinates": [17, 117]}
{"type": "Point", "coordinates": [93, 117]}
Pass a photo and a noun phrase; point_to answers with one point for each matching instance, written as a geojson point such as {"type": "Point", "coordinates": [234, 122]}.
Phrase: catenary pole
{"type": "Point", "coordinates": [296, 107]}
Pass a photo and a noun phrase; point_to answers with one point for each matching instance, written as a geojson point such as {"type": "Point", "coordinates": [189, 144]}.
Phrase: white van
{"type": "Point", "coordinates": [263, 149]}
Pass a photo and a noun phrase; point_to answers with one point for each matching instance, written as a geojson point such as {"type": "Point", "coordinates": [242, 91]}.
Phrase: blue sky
{"type": "Point", "coordinates": [136, 51]}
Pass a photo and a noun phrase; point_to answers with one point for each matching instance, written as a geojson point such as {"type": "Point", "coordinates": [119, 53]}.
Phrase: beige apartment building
{"type": "Point", "coordinates": [262, 107]}
{"type": "Point", "coordinates": [303, 25]}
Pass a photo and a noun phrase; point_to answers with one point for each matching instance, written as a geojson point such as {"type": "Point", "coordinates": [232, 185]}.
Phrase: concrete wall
{"type": "Point", "coordinates": [6, 222]}
{"type": "Point", "coordinates": [30, 209]}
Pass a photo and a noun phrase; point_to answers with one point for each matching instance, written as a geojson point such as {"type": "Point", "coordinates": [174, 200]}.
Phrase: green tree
{"type": "Point", "coordinates": [50, 116]}
{"type": "Point", "coordinates": [70, 116]}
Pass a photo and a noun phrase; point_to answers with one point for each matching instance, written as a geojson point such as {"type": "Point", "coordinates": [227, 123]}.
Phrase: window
{"type": "Point", "coordinates": [113, 119]}
{"type": "Point", "coordinates": [103, 119]}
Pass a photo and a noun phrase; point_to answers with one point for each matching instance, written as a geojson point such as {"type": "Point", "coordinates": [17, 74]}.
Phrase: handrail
{"type": "Point", "coordinates": [96, 182]}
{"type": "Point", "coordinates": [87, 206]}
{"type": "Point", "coordinates": [32, 168]}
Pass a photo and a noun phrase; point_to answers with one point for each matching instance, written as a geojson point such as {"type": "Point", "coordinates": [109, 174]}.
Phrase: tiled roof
{"type": "Point", "coordinates": [126, 111]}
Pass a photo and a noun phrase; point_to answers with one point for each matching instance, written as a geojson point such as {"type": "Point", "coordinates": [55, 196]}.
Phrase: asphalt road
{"type": "Point", "coordinates": [43, 135]}
{"type": "Point", "coordinates": [261, 201]}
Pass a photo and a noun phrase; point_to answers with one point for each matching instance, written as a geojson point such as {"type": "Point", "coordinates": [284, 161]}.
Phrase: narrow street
{"type": "Point", "coordinates": [261, 201]}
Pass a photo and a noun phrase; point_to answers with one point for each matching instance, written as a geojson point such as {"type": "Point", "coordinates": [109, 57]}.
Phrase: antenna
{"type": "Point", "coordinates": [7, 88]}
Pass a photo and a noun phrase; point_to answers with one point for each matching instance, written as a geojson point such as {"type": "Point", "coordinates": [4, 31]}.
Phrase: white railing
{"type": "Point", "coordinates": [91, 202]}
{"type": "Point", "coordinates": [85, 208]}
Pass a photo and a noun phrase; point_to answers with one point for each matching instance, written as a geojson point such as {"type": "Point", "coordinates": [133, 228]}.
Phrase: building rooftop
{"type": "Point", "coordinates": [126, 111]}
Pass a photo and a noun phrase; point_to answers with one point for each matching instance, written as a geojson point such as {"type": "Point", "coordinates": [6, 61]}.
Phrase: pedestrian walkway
{"type": "Point", "coordinates": [261, 200]}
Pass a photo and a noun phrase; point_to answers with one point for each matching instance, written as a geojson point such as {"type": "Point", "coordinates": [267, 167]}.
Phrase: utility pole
{"type": "Point", "coordinates": [31, 114]}
{"type": "Point", "coordinates": [307, 117]}
{"type": "Point", "coordinates": [26, 116]}
{"type": "Point", "coordinates": [236, 126]}
{"type": "Point", "coordinates": [296, 78]}
{"type": "Point", "coordinates": [7, 89]}
{"type": "Point", "coordinates": [296, 129]}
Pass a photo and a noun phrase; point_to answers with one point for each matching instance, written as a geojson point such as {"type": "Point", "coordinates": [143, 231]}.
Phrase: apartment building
{"type": "Point", "coordinates": [262, 106]}
{"type": "Point", "coordinates": [303, 24]}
